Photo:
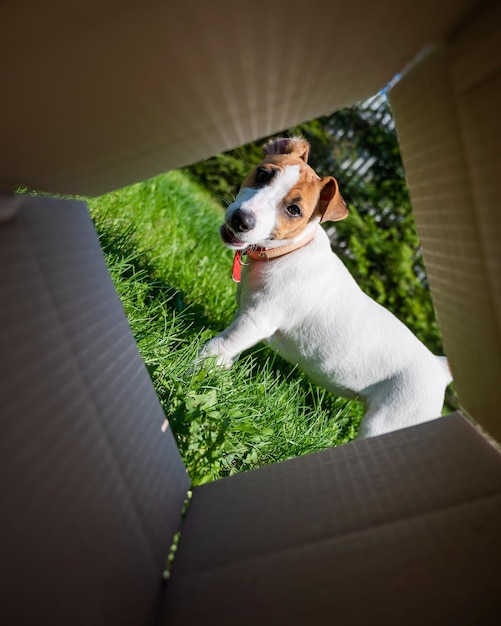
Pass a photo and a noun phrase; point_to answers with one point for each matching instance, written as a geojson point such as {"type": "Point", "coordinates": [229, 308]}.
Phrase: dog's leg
{"type": "Point", "coordinates": [405, 400]}
{"type": "Point", "coordinates": [244, 332]}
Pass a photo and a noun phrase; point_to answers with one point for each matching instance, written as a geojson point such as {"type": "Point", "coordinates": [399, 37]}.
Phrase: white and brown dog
{"type": "Point", "coordinates": [298, 297]}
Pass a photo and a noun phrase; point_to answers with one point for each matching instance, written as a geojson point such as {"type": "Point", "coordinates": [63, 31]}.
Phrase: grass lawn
{"type": "Point", "coordinates": [172, 273]}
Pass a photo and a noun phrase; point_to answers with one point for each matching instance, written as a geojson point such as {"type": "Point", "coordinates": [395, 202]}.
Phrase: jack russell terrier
{"type": "Point", "coordinates": [297, 296]}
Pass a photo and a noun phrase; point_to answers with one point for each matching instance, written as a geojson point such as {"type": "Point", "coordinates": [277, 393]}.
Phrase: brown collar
{"type": "Point", "coordinates": [264, 254]}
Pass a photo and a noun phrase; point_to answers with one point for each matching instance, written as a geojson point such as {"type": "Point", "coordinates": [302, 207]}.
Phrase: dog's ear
{"type": "Point", "coordinates": [288, 145]}
{"type": "Point", "coordinates": [331, 205]}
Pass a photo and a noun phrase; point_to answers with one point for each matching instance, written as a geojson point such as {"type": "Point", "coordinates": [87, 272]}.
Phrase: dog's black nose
{"type": "Point", "coordinates": [242, 221]}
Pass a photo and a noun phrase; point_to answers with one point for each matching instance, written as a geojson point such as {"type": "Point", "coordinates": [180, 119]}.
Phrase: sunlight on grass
{"type": "Point", "coordinates": [161, 243]}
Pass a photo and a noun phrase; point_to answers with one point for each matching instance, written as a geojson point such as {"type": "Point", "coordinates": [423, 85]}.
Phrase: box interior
{"type": "Point", "coordinates": [366, 533]}
{"type": "Point", "coordinates": [397, 529]}
{"type": "Point", "coordinates": [104, 93]}
{"type": "Point", "coordinates": [92, 489]}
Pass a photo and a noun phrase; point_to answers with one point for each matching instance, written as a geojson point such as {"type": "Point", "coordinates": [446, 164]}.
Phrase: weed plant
{"type": "Point", "coordinates": [161, 243]}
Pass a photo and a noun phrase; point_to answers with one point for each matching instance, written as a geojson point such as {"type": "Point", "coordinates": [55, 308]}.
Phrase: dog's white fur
{"type": "Point", "coordinates": [308, 308]}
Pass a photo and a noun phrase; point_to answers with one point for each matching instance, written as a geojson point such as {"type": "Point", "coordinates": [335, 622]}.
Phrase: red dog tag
{"type": "Point", "coordinates": [236, 270]}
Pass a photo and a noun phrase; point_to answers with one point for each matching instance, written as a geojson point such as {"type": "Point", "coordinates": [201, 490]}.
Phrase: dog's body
{"type": "Point", "coordinates": [297, 296]}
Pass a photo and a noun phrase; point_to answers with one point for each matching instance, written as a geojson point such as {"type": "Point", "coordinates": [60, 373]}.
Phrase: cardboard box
{"type": "Point", "coordinates": [398, 529]}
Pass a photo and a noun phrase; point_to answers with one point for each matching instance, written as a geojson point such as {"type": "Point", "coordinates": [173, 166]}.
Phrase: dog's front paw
{"type": "Point", "coordinates": [213, 352]}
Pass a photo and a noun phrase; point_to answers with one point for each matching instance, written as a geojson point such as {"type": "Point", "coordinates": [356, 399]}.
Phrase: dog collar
{"type": "Point", "coordinates": [264, 254]}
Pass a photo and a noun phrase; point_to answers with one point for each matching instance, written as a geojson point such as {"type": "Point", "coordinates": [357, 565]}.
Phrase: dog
{"type": "Point", "coordinates": [296, 295]}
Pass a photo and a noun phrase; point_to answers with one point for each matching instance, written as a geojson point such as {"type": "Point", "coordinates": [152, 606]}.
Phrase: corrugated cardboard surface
{"type": "Point", "coordinates": [402, 529]}
{"type": "Point", "coordinates": [91, 489]}
{"type": "Point", "coordinates": [447, 116]}
{"type": "Point", "coordinates": [102, 93]}
{"type": "Point", "coordinates": [398, 529]}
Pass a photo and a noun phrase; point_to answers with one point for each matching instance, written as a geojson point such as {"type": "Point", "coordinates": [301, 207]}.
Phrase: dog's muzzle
{"type": "Point", "coordinates": [238, 223]}
{"type": "Point", "coordinates": [230, 239]}
{"type": "Point", "coordinates": [242, 221]}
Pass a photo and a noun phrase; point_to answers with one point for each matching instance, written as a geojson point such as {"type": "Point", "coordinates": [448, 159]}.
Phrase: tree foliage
{"type": "Point", "coordinates": [378, 241]}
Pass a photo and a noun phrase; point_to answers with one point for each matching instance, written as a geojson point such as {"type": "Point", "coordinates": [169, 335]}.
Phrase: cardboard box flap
{"type": "Point", "coordinates": [396, 529]}
{"type": "Point", "coordinates": [447, 116]}
{"type": "Point", "coordinates": [92, 491]}
{"type": "Point", "coordinates": [100, 94]}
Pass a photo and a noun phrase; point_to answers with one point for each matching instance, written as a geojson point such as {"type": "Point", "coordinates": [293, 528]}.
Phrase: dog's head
{"type": "Point", "coordinates": [281, 198]}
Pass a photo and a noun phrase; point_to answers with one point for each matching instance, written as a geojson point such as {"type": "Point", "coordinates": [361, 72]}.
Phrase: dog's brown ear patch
{"type": "Point", "coordinates": [288, 145]}
{"type": "Point", "coordinates": [331, 205]}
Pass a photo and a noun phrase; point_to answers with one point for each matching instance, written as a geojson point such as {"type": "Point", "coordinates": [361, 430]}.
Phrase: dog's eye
{"type": "Point", "coordinates": [263, 175]}
{"type": "Point", "coordinates": [293, 210]}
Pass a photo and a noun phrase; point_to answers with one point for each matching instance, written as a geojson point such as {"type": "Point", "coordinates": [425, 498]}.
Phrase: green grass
{"type": "Point", "coordinates": [172, 273]}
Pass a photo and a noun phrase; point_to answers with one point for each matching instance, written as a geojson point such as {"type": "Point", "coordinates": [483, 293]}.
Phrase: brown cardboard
{"type": "Point", "coordinates": [402, 529]}
{"type": "Point", "coordinates": [399, 529]}
{"type": "Point", "coordinates": [104, 93]}
{"type": "Point", "coordinates": [448, 107]}
{"type": "Point", "coordinates": [92, 490]}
